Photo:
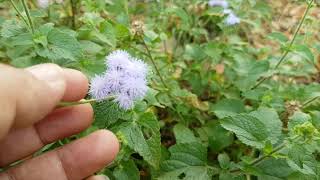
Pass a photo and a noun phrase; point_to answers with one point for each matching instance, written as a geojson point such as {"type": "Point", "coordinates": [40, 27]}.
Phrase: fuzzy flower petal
{"type": "Point", "coordinates": [99, 88]}
{"type": "Point", "coordinates": [124, 101]}
{"type": "Point", "coordinates": [221, 3]}
{"type": "Point", "coordinates": [118, 60]}
{"type": "Point", "coordinates": [134, 88]}
{"type": "Point", "coordinates": [136, 68]}
{"type": "Point", "coordinates": [114, 79]}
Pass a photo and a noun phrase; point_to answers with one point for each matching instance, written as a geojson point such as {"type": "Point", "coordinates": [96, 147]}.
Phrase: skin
{"type": "Point", "coordinates": [29, 120]}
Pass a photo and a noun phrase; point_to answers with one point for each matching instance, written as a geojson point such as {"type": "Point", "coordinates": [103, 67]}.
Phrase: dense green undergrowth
{"type": "Point", "coordinates": [218, 106]}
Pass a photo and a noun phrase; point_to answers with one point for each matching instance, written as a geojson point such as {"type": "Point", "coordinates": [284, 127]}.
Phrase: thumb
{"type": "Point", "coordinates": [27, 96]}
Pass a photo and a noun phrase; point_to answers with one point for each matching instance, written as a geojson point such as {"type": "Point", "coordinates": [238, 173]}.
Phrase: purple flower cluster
{"type": "Point", "coordinates": [221, 3]}
{"type": "Point", "coordinates": [232, 18]}
{"type": "Point", "coordinates": [125, 79]}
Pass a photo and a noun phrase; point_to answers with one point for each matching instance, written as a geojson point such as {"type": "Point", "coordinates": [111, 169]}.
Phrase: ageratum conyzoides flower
{"type": "Point", "coordinates": [221, 3]}
{"type": "Point", "coordinates": [125, 78]}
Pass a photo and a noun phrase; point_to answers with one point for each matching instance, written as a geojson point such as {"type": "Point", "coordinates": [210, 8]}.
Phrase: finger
{"type": "Point", "coordinates": [77, 85]}
{"type": "Point", "coordinates": [28, 97]}
{"type": "Point", "coordinates": [76, 160]}
{"type": "Point", "coordinates": [59, 124]}
{"type": "Point", "coordinates": [33, 93]}
{"type": "Point", "coordinates": [98, 177]}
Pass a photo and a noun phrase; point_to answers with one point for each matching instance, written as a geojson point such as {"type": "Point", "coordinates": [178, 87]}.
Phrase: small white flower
{"type": "Point", "coordinates": [232, 19]}
{"type": "Point", "coordinates": [221, 3]}
{"type": "Point", "coordinates": [43, 3]}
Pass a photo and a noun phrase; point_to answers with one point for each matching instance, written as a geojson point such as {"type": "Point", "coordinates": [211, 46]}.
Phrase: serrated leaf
{"type": "Point", "coordinates": [61, 46]}
{"type": "Point", "coordinates": [250, 72]}
{"type": "Point", "coordinates": [188, 160]}
{"type": "Point", "coordinates": [274, 168]}
{"type": "Point", "coordinates": [214, 51]}
{"type": "Point", "coordinates": [301, 160]}
{"type": "Point", "coordinates": [272, 122]}
{"type": "Point", "coordinates": [11, 28]}
{"type": "Point", "coordinates": [227, 107]}
{"type": "Point", "coordinates": [183, 134]}
{"type": "Point", "coordinates": [218, 137]}
{"type": "Point", "coordinates": [126, 170]}
{"type": "Point", "coordinates": [248, 129]}
{"type": "Point", "coordinates": [148, 147]}
{"type": "Point", "coordinates": [106, 113]}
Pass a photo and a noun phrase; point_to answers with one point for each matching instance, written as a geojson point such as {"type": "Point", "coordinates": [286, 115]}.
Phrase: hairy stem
{"type": "Point", "coordinates": [83, 101]}
{"type": "Point", "coordinates": [306, 103]}
{"type": "Point", "coordinates": [154, 63]}
{"type": "Point", "coordinates": [287, 51]}
{"type": "Point", "coordinates": [26, 9]}
{"type": "Point", "coordinates": [19, 13]}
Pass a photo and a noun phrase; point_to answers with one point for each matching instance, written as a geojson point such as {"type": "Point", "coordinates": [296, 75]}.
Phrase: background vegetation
{"type": "Point", "coordinates": [225, 102]}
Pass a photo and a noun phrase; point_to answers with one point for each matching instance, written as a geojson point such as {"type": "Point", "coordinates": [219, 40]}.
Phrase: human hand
{"type": "Point", "coordinates": [29, 120]}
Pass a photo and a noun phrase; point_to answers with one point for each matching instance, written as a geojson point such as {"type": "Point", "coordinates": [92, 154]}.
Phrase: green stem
{"type": "Point", "coordinates": [26, 9]}
{"type": "Point", "coordinates": [18, 12]}
{"type": "Point", "coordinates": [290, 45]}
{"type": "Point", "coordinates": [153, 63]}
{"type": "Point", "coordinates": [309, 101]}
{"type": "Point", "coordinates": [261, 158]}
{"type": "Point", "coordinates": [83, 101]}
{"type": "Point", "coordinates": [74, 13]}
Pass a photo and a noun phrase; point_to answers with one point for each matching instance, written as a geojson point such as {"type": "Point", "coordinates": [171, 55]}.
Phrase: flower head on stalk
{"type": "Point", "coordinates": [125, 78]}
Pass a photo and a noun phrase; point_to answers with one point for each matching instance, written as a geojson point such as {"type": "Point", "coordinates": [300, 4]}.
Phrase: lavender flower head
{"type": "Point", "coordinates": [221, 3]}
{"type": "Point", "coordinates": [125, 79]}
{"type": "Point", "coordinates": [232, 19]}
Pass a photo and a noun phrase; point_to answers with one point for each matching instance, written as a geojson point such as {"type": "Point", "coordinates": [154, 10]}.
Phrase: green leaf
{"type": "Point", "coordinates": [194, 52]}
{"type": "Point", "coordinates": [11, 28]}
{"type": "Point", "coordinates": [148, 147]}
{"type": "Point", "coordinates": [106, 113]}
{"type": "Point", "coordinates": [280, 37]}
{"type": "Point", "coordinates": [227, 107]}
{"type": "Point", "coordinates": [224, 161]}
{"type": "Point", "coordinates": [183, 134]}
{"type": "Point", "coordinates": [301, 160]}
{"type": "Point", "coordinates": [248, 129]}
{"type": "Point", "coordinates": [269, 117]}
{"type": "Point", "coordinates": [61, 46]}
{"type": "Point", "coordinates": [214, 51]}
{"type": "Point", "coordinates": [187, 160]}
{"type": "Point", "coordinates": [126, 170]}
{"type": "Point", "coordinates": [250, 72]}
{"type": "Point", "coordinates": [298, 118]}
{"type": "Point", "coordinates": [304, 51]}
{"type": "Point", "coordinates": [182, 14]}
{"type": "Point", "coordinates": [218, 137]}
{"type": "Point", "coordinates": [275, 168]}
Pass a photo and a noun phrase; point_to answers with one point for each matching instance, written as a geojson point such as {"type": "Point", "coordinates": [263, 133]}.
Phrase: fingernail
{"type": "Point", "coordinates": [49, 73]}
{"type": "Point", "coordinates": [105, 177]}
